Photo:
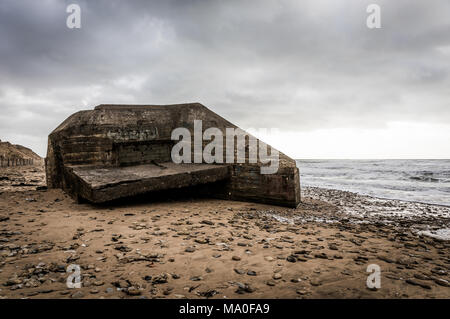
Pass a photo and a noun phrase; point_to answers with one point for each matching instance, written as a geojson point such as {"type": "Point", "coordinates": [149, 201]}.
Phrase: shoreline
{"type": "Point", "coordinates": [421, 217]}
{"type": "Point", "coordinates": [378, 197]}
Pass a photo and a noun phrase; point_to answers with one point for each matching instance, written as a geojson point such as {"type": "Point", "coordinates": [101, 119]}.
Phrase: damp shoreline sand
{"type": "Point", "coordinates": [208, 248]}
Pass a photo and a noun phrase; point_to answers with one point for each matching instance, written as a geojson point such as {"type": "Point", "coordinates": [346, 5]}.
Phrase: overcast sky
{"type": "Point", "coordinates": [312, 69]}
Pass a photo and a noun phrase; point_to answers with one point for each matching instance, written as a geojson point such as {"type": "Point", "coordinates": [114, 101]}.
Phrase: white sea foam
{"type": "Point", "coordinates": [442, 234]}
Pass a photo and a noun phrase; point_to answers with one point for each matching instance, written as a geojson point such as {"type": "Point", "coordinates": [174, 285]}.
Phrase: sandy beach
{"type": "Point", "coordinates": [207, 248]}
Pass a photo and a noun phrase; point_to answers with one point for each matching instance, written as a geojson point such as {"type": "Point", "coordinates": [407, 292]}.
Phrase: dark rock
{"type": "Point", "coordinates": [77, 295]}
{"type": "Point", "coordinates": [315, 282]}
{"type": "Point", "coordinates": [189, 249]}
{"type": "Point", "coordinates": [160, 279]}
{"type": "Point", "coordinates": [196, 278]}
{"type": "Point", "coordinates": [291, 258]}
{"type": "Point", "coordinates": [239, 271]}
{"type": "Point", "coordinates": [121, 284]}
{"type": "Point", "coordinates": [208, 293]}
{"type": "Point", "coordinates": [442, 282]}
{"type": "Point", "coordinates": [421, 277]}
{"type": "Point", "coordinates": [244, 288]}
{"type": "Point", "coordinates": [32, 293]}
{"type": "Point", "coordinates": [333, 247]}
{"type": "Point", "coordinates": [386, 259]}
{"type": "Point", "coordinates": [417, 283]}
{"type": "Point", "coordinates": [122, 248]}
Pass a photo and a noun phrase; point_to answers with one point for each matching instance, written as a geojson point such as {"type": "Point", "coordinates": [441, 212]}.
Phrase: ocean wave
{"type": "Point", "coordinates": [426, 181]}
{"type": "Point", "coordinates": [424, 178]}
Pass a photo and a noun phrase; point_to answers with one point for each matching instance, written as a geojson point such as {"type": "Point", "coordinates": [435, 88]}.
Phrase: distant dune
{"type": "Point", "coordinates": [17, 155]}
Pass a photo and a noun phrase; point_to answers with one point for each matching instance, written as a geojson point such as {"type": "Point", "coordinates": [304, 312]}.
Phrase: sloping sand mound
{"type": "Point", "coordinates": [17, 155]}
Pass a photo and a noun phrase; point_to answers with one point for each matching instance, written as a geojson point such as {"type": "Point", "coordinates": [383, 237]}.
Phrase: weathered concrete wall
{"type": "Point", "coordinates": [114, 135]}
{"type": "Point", "coordinates": [134, 153]}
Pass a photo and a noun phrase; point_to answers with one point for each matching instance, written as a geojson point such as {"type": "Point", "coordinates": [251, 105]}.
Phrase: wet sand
{"type": "Point", "coordinates": [207, 248]}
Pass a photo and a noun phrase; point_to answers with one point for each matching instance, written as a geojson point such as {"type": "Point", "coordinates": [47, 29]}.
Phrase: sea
{"type": "Point", "coordinates": [415, 180]}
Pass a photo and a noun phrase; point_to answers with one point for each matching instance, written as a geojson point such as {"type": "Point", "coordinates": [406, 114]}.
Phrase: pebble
{"type": "Point", "coordinates": [78, 294]}
{"type": "Point", "coordinates": [133, 291]}
{"type": "Point", "coordinates": [244, 288]}
{"type": "Point", "coordinates": [421, 277]}
{"type": "Point", "coordinates": [333, 247]}
{"type": "Point", "coordinates": [160, 279]}
{"type": "Point", "coordinates": [189, 249]}
{"type": "Point", "coordinates": [321, 255]}
{"type": "Point", "coordinates": [442, 282]}
{"type": "Point", "coordinates": [291, 258]}
{"type": "Point", "coordinates": [418, 283]}
{"type": "Point", "coordinates": [315, 282]}
{"type": "Point", "coordinates": [196, 278]}
{"type": "Point", "coordinates": [167, 291]}
{"type": "Point", "coordinates": [32, 293]}
{"type": "Point", "coordinates": [386, 259]}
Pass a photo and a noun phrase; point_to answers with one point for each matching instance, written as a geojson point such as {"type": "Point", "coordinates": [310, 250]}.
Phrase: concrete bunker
{"type": "Point", "coordinates": [118, 151]}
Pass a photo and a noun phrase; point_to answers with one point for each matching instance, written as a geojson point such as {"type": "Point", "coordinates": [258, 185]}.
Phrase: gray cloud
{"type": "Point", "coordinates": [295, 65]}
